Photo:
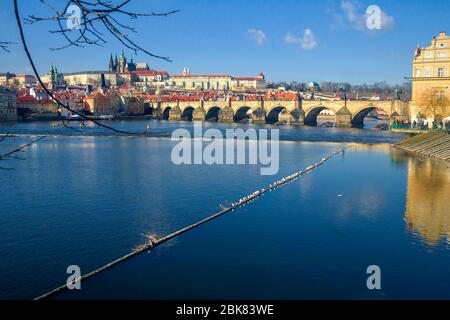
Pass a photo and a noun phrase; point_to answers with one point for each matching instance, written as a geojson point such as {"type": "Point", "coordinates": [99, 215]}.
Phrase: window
{"type": "Point", "coordinates": [417, 73]}
{"type": "Point", "coordinates": [441, 72]}
{"type": "Point", "coordinates": [442, 55]}
{"type": "Point", "coordinates": [440, 94]}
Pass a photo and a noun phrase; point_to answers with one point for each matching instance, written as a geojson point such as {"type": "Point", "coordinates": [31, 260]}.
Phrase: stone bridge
{"type": "Point", "coordinates": [296, 112]}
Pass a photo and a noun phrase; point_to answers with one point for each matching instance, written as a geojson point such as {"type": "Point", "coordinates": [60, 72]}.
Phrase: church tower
{"type": "Point", "coordinates": [112, 67]}
{"type": "Point", "coordinates": [122, 63]}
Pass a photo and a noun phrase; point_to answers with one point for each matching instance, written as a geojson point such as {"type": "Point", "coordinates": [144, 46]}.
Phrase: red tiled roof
{"type": "Point", "coordinates": [246, 79]}
{"type": "Point", "coordinates": [26, 99]}
{"type": "Point", "coordinates": [150, 73]}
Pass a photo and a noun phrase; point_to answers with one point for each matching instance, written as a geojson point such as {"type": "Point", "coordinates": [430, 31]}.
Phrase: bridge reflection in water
{"type": "Point", "coordinates": [427, 212]}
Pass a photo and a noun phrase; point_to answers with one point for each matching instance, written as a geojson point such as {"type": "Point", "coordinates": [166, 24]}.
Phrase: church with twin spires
{"type": "Point", "coordinates": [122, 65]}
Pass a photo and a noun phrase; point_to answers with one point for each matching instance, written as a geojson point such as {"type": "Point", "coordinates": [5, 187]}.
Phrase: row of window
{"type": "Point", "coordinates": [8, 111]}
{"type": "Point", "coordinates": [439, 72]}
{"type": "Point", "coordinates": [7, 96]}
{"type": "Point", "coordinates": [439, 55]}
{"type": "Point", "coordinates": [6, 104]}
{"type": "Point", "coordinates": [202, 85]}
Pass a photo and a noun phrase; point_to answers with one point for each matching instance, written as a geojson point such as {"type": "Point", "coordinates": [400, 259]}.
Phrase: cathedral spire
{"type": "Point", "coordinates": [111, 64]}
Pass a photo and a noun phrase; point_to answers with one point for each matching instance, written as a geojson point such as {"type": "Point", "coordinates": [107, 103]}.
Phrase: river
{"type": "Point", "coordinates": [86, 198]}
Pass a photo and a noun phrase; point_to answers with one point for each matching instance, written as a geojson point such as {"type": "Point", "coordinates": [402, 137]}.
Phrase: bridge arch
{"type": "Point", "coordinates": [187, 113]}
{"type": "Point", "coordinates": [212, 114]}
{"type": "Point", "coordinates": [274, 114]}
{"type": "Point", "coordinates": [358, 117]}
{"type": "Point", "coordinates": [311, 116]}
{"type": "Point", "coordinates": [242, 113]}
{"type": "Point", "coordinates": [166, 113]}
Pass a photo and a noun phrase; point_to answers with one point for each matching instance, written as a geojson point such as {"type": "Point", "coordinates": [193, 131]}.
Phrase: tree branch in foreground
{"type": "Point", "coordinates": [79, 22]}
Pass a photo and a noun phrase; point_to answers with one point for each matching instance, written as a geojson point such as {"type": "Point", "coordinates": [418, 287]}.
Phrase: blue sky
{"type": "Point", "coordinates": [322, 40]}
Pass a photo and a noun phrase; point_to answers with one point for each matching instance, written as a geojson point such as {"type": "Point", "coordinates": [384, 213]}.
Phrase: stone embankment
{"type": "Point", "coordinates": [434, 144]}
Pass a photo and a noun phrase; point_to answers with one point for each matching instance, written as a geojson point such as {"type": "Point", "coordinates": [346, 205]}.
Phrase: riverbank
{"type": "Point", "coordinates": [433, 144]}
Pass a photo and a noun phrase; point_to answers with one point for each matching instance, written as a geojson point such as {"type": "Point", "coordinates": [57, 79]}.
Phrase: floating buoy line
{"type": "Point", "coordinates": [154, 241]}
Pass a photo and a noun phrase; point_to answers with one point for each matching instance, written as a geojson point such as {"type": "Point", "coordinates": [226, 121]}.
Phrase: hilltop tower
{"type": "Point", "coordinates": [112, 65]}
{"type": "Point", "coordinates": [122, 63]}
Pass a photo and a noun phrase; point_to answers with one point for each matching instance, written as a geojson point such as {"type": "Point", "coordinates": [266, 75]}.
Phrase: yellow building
{"type": "Point", "coordinates": [431, 76]}
{"type": "Point", "coordinates": [91, 77]}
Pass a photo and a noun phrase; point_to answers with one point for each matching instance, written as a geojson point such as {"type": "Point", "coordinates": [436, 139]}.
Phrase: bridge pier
{"type": "Point", "coordinates": [199, 114]}
{"type": "Point", "coordinates": [175, 114]}
{"type": "Point", "coordinates": [344, 118]}
{"type": "Point", "coordinates": [259, 116]}
{"type": "Point", "coordinates": [226, 115]}
{"type": "Point", "coordinates": [295, 117]}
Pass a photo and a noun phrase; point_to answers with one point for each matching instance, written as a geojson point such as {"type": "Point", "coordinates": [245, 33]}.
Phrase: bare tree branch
{"type": "Point", "coordinates": [4, 45]}
{"type": "Point", "coordinates": [50, 92]}
{"type": "Point", "coordinates": [19, 149]}
{"type": "Point", "coordinates": [83, 30]}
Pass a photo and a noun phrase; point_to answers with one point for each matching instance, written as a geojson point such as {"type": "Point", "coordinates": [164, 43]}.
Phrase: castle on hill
{"type": "Point", "coordinates": [122, 65]}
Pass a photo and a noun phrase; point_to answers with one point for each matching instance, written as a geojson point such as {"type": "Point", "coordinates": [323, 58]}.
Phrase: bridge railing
{"type": "Point", "coordinates": [421, 127]}
{"type": "Point", "coordinates": [221, 97]}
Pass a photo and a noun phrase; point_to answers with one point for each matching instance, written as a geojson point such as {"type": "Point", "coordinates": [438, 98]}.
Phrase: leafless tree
{"type": "Point", "coordinates": [83, 23]}
{"type": "Point", "coordinates": [434, 103]}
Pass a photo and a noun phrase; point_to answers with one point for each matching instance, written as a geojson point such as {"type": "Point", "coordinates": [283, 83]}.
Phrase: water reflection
{"type": "Point", "coordinates": [428, 200]}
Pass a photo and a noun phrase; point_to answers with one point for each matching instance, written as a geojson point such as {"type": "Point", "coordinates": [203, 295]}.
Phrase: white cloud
{"type": "Point", "coordinates": [355, 15]}
{"type": "Point", "coordinates": [257, 36]}
{"type": "Point", "coordinates": [308, 41]}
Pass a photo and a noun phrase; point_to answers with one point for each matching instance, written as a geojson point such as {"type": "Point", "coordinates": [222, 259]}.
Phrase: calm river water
{"type": "Point", "coordinates": [88, 198]}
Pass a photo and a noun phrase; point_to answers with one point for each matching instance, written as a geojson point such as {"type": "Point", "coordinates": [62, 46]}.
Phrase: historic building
{"type": "Point", "coordinates": [431, 77]}
{"type": "Point", "coordinates": [94, 78]}
{"type": "Point", "coordinates": [215, 82]}
{"type": "Point", "coordinates": [120, 72]}
{"type": "Point", "coordinates": [12, 80]}
{"type": "Point", "coordinates": [122, 65]}
{"type": "Point", "coordinates": [124, 72]}
{"type": "Point", "coordinates": [54, 79]}
{"type": "Point", "coordinates": [98, 104]}
{"type": "Point", "coordinates": [5, 78]}
{"type": "Point", "coordinates": [8, 108]}
{"type": "Point", "coordinates": [249, 83]}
